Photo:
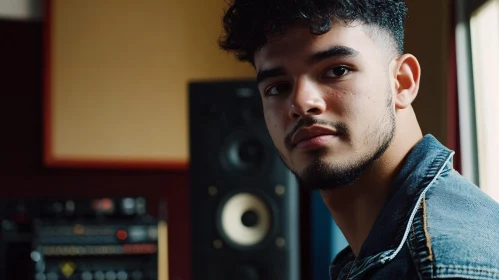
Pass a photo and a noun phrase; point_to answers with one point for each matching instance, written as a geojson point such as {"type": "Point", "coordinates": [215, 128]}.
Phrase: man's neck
{"type": "Point", "coordinates": [356, 207]}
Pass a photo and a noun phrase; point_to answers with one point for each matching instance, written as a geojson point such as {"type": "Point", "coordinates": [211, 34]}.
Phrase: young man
{"type": "Point", "coordinates": [337, 90]}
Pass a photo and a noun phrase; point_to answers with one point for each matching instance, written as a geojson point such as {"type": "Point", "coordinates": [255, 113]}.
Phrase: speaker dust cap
{"type": "Point", "coordinates": [245, 219]}
{"type": "Point", "coordinates": [247, 151]}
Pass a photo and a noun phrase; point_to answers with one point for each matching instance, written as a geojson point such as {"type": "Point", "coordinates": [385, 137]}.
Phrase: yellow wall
{"type": "Point", "coordinates": [119, 75]}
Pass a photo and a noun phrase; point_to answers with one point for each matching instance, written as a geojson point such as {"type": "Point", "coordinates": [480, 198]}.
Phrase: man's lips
{"type": "Point", "coordinates": [314, 135]}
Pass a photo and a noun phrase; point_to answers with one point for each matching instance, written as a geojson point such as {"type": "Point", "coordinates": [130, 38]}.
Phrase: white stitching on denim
{"type": "Point", "coordinates": [413, 214]}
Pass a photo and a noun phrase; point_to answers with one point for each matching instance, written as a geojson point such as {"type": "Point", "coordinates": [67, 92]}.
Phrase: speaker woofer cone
{"type": "Point", "coordinates": [245, 219]}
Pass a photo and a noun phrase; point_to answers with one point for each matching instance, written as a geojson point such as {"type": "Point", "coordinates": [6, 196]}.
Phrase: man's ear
{"type": "Point", "coordinates": [407, 77]}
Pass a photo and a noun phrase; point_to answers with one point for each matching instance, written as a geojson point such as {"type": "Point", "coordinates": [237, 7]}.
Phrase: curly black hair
{"type": "Point", "coordinates": [248, 23]}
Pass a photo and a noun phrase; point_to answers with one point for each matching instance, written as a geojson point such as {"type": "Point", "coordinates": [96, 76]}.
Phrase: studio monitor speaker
{"type": "Point", "coordinates": [244, 201]}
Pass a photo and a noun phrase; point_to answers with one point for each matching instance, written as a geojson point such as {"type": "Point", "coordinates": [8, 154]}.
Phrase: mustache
{"type": "Point", "coordinates": [340, 127]}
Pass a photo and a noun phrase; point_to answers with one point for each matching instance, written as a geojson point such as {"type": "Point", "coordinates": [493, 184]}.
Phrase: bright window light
{"type": "Point", "coordinates": [485, 50]}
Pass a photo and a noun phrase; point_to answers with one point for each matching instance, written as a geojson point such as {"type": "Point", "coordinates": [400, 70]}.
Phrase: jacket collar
{"type": "Point", "coordinates": [423, 163]}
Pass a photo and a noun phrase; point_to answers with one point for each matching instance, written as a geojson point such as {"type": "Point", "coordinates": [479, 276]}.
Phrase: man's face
{"type": "Point", "coordinates": [327, 102]}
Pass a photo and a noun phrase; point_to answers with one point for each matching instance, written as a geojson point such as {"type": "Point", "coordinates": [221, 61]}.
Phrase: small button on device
{"type": "Point", "coordinates": [99, 275]}
{"type": "Point", "coordinates": [85, 275]}
{"type": "Point", "coordinates": [122, 275]}
{"type": "Point", "coordinates": [110, 275]}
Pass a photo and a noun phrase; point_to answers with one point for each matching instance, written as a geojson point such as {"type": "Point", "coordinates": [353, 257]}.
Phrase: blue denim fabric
{"type": "Point", "coordinates": [434, 225]}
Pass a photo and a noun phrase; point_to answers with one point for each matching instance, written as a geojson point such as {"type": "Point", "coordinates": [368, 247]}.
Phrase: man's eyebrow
{"type": "Point", "coordinates": [336, 51]}
{"type": "Point", "coordinates": [270, 73]}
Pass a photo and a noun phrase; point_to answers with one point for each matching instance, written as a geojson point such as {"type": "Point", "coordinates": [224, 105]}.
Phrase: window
{"type": "Point", "coordinates": [484, 32]}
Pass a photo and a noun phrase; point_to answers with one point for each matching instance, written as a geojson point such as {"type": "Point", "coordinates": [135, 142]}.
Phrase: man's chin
{"type": "Point", "coordinates": [321, 175]}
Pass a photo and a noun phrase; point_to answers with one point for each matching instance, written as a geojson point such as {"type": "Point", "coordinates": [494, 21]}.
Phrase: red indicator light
{"type": "Point", "coordinates": [121, 234]}
{"type": "Point", "coordinates": [103, 205]}
{"type": "Point", "coordinates": [106, 204]}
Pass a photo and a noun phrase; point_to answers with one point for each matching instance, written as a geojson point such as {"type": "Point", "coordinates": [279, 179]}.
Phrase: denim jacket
{"type": "Point", "coordinates": [434, 225]}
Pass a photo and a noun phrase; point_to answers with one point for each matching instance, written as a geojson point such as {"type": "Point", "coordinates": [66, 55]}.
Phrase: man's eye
{"type": "Point", "coordinates": [277, 89]}
{"type": "Point", "coordinates": [337, 71]}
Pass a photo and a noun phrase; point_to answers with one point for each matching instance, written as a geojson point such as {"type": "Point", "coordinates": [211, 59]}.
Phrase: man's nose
{"type": "Point", "coordinates": [306, 99]}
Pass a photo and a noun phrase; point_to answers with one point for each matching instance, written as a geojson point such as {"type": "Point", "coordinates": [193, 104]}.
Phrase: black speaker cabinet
{"type": "Point", "coordinates": [244, 201]}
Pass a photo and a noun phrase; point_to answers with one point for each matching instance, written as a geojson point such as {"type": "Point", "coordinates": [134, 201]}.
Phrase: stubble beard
{"type": "Point", "coordinates": [322, 175]}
